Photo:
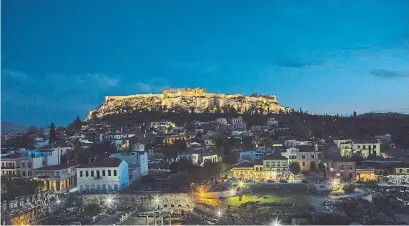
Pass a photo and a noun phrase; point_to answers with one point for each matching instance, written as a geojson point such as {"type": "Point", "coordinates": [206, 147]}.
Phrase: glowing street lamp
{"type": "Point", "coordinates": [109, 201]}
{"type": "Point", "coordinates": [241, 184]}
{"type": "Point", "coordinates": [156, 200]}
{"type": "Point", "coordinates": [219, 213]}
{"type": "Point", "coordinates": [276, 222]}
{"type": "Point", "coordinates": [58, 201]}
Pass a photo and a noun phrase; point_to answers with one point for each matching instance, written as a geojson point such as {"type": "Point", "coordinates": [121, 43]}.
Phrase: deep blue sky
{"type": "Point", "coordinates": [60, 58]}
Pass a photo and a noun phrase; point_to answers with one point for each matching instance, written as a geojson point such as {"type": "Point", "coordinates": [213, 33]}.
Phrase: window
{"type": "Point", "coordinates": [341, 174]}
{"type": "Point", "coordinates": [363, 147]}
{"type": "Point", "coordinates": [115, 173]}
{"type": "Point", "coordinates": [350, 175]}
{"type": "Point", "coordinates": [370, 147]}
{"type": "Point", "coordinates": [86, 173]}
{"type": "Point", "coordinates": [92, 173]}
{"type": "Point", "coordinates": [303, 163]}
{"type": "Point", "coordinates": [98, 175]}
{"type": "Point", "coordinates": [109, 173]}
{"type": "Point", "coordinates": [359, 146]}
{"type": "Point", "coordinates": [350, 166]}
{"type": "Point", "coordinates": [23, 165]}
{"type": "Point", "coordinates": [303, 156]}
{"type": "Point", "coordinates": [81, 173]}
{"type": "Point", "coordinates": [24, 174]}
{"type": "Point", "coordinates": [342, 167]}
{"type": "Point", "coordinates": [407, 170]}
{"type": "Point", "coordinates": [312, 156]}
{"type": "Point", "coordinates": [400, 170]}
{"type": "Point", "coordinates": [29, 165]}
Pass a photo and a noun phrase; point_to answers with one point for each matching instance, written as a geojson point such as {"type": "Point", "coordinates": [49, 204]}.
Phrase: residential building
{"type": "Point", "coordinates": [209, 143]}
{"type": "Point", "coordinates": [137, 163]}
{"type": "Point", "coordinates": [272, 122]}
{"type": "Point", "coordinates": [16, 165]}
{"type": "Point", "coordinates": [341, 168]}
{"type": "Point", "coordinates": [271, 167]}
{"type": "Point", "coordinates": [46, 157]}
{"type": "Point", "coordinates": [169, 139]}
{"type": "Point", "coordinates": [198, 155]}
{"type": "Point", "coordinates": [307, 156]}
{"type": "Point", "coordinates": [258, 153]}
{"type": "Point", "coordinates": [238, 124]}
{"type": "Point", "coordinates": [366, 172]}
{"type": "Point", "coordinates": [162, 125]}
{"type": "Point", "coordinates": [59, 178]}
{"type": "Point", "coordinates": [222, 121]}
{"type": "Point", "coordinates": [110, 174]}
{"type": "Point", "coordinates": [116, 138]}
{"type": "Point", "coordinates": [365, 148]}
{"type": "Point", "coordinates": [386, 138]}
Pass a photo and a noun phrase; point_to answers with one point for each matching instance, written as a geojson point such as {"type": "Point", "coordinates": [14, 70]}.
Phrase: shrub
{"type": "Point", "coordinates": [349, 188]}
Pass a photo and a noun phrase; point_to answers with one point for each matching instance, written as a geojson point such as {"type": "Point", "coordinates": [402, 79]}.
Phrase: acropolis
{"type": "Point", "coordinates": [191, 99]}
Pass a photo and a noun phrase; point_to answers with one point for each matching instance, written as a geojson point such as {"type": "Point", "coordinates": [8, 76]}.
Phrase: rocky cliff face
{"type": "Point", "coordinates": [192, 100]}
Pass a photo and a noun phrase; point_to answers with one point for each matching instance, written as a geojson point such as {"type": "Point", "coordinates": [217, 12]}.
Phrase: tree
{"type": "Point", "coordinates": [349, 188]}
{"type": "Point", "coordinates": [231, 158]}
{"type": "Point", "coordinates": [294, 167]}
{"type": "Point", "coordinates": [354, 115]}
{"type": "Point", "coordinates": [75, 125]}
{"type": "Point", "coordinates": [92, 209]}
{"type": "Point", "coordinates": [53, 133]}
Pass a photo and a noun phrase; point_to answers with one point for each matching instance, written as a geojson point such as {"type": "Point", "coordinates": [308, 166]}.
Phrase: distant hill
{"type": "Point", "coordinates": [11, 128]}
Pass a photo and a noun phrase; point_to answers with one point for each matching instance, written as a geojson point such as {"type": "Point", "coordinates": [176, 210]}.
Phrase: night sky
{"type": "Point", "coordinates": [60, 58]}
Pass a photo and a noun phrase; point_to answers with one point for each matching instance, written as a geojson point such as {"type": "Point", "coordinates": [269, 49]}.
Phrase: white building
{"type": "Point", "coordinates": [222, 121]}
{"type": "Point", "coordinates": [110, 174]}
{"type": "Point", "coordinates": [238, 123]}
{"type": "Point", "coordinates": [258, 153]}
{"type": "Point", "coordinates": [116, 138]}
{"type": "Point", "coordinates": [387, 137]}
{"type": "Point", "coordinates": [365, 148]}
{"type": "Point", "coordinates": [16, 165]}
{"type": "Point", "coordinates": [137, 163]}
{"type": "Point", "coordinates": [198, 155]}
{"type": "Point", "coordinates": [272, 122]}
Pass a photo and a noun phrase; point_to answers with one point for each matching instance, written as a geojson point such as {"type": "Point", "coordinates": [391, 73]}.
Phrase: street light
{"type": "Point", "coordinates": [241, 184]}
{"type": "Point", "coordinates": [219, 213]}
{"type": "Point", "coordinates": [109, 201]}
{"type": "Point", "coordinates": [233, 191]}
{"type": "Point", "coordinates": [276, 222]}
{"type": "Point", "coordinates": [58, 201]}
{"type": "Point", "coordinates": [156, 200]}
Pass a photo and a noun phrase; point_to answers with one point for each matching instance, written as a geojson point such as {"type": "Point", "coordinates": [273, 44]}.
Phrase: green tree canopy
{"type": "Point", "coordinates": [294, 167]}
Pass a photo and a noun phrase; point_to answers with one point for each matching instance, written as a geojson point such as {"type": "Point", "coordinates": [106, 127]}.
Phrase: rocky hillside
{"type": "Point", "coordinates": [187, 100]}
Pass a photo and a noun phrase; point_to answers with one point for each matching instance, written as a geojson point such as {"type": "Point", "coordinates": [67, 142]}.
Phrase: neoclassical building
{"type": "Point", "coordinates": [271, 167]}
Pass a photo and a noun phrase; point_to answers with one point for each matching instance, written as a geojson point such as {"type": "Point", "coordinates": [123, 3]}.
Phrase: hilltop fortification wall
{"type": "Point", "coordinates": [196, 100]}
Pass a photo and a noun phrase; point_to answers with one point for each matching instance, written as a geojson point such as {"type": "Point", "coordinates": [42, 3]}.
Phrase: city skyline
{"type": "Point", "coordinates": [59, 59]}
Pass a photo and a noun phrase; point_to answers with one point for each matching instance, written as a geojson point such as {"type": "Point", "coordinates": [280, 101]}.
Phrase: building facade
{"type": "Point", "coordinates": [57, 178]}
{"type": "Point", "coordinates": [271, 168]}
{"type": "Point", "coordinates": [104, 176]}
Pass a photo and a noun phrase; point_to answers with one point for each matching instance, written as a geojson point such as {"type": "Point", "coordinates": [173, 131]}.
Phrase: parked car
{"type": "Point", "coordinates": [283, 181]}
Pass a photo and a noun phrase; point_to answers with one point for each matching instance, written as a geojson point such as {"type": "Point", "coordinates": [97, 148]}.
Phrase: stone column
{"type": "Point", "coordinates": [154, 220]}
{"type": "Point", "coordinates": [147, 219]}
